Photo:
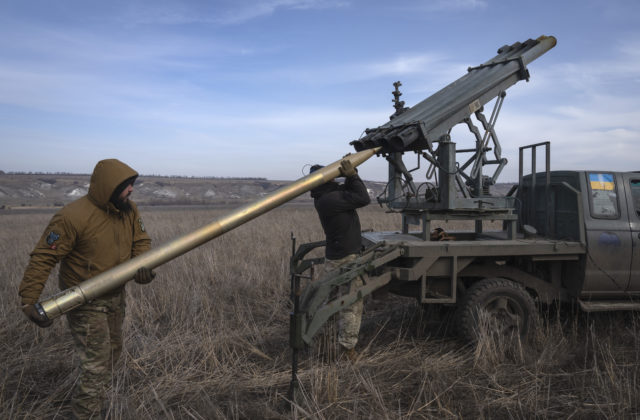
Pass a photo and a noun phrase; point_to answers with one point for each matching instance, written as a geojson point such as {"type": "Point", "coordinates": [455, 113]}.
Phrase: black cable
{"type": "Point", "coordinates": [605, 273]}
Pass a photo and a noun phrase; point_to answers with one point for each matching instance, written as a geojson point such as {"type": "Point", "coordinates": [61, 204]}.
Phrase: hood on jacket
{"type": "Point", "coordinates": [106, 177]}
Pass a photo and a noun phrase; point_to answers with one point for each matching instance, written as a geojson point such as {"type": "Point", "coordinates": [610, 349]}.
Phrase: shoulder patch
{"type": "Point", "coordinates": [52, 238]}
{"type": "Point", "coordinates": [141, 224]}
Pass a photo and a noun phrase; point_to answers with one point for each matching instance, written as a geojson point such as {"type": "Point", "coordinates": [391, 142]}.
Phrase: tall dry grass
{"type": "Point", "coordinates": [208, 339]}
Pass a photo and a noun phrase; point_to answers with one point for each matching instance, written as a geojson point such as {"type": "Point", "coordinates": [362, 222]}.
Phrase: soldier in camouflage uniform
{"type": "Point", "coordinates": [87, 237]}
{"type": "Point", "coordinates": [336, 205]}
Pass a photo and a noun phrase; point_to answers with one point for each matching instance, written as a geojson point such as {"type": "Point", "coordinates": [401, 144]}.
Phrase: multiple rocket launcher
{"type": "Point", "coordinates": [418, 127]}
{"type": "Point", "coordinates": [410, 129]}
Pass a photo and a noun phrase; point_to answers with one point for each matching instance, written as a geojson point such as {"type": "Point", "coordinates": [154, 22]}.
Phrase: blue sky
{"type": "Point", "coordinates": [263, 88]}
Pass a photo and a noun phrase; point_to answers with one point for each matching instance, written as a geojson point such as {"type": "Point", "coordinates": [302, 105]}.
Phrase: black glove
{"type": "Point", "coordinates": [144, 275]}
{"type": "Point", "coordinates": [347, 169]}
{"type": "Point", "coordinates": [40, 319]}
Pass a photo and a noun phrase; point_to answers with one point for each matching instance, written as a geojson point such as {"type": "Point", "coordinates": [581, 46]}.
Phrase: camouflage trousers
{"type": "Point", "coordinates": [351, 317]}
{"type": "Point", "coordinates": [96, 328]}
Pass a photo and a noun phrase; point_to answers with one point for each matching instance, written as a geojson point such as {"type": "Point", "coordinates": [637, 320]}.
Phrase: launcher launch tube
{"type": "Point", "coordinates": [440, 112]}
{"type": "Point", "coordinates": [115, 277]}
{"type": "Point", "coordinates": [545, 43]}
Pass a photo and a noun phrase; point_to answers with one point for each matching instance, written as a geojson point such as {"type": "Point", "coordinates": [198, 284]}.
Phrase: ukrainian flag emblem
{"type": "Point", "coordinates": [602, 182]}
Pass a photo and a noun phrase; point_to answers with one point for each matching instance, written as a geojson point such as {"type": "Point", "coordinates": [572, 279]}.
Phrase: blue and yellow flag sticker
{"type": "Point", "coordinates": [602, 182]}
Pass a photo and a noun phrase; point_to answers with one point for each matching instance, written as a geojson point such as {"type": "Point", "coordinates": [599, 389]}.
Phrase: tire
{"type": "Point", "coordinates": [510, 308]}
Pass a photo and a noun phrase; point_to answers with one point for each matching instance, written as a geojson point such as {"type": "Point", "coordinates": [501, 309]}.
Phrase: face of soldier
{"type": "Point", "coordinates": [124, 195]}
{"type": "Point", "coordinates": [122, 201]}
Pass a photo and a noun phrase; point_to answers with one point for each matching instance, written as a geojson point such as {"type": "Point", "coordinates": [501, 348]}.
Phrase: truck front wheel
{"type": "Point", "coordinates": [496, 306]}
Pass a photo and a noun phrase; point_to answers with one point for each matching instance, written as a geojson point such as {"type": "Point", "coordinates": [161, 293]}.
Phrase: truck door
{"type": "Point", "coordinates": [632, 187]}
{"type": "Point", "coordinates": [608, 235]}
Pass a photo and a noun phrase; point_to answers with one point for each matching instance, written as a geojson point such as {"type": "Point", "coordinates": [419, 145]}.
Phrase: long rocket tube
{"type": "Point", "coordinates": [104, 282]}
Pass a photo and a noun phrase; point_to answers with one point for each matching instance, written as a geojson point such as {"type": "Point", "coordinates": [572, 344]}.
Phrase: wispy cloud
{"type": "Point", "coordinates": [452, 5]}
{"type": "Point", "coordinates": [328, 73]}
{"type": "Point", "coordinates": [79, 46]}
{"type": "Point", "coordinates": [596, 132]}
{"type": "Point", "coordinates": [246, 11]}
{"type": "Point", "coordinates": [405, 64]}
{"type": "Point", "coordinates": [619, 69]}
{"type": "Point", "coordinates": [220, 12]}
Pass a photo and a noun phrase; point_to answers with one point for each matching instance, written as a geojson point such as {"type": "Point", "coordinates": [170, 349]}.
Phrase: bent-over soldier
{"type": "Point", "coordinates": [336, 206]}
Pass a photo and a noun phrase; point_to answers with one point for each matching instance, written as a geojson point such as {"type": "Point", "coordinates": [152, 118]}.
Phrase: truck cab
{"type": "Point", "coordinates": [602, 206]}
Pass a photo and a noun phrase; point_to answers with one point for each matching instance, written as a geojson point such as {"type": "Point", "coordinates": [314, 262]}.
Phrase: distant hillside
{"type": "Point", "coordinates": [55, 190]}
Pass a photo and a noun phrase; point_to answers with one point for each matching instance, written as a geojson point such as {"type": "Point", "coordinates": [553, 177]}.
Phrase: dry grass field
{"type": "Point", "coordinates": [208, 339]}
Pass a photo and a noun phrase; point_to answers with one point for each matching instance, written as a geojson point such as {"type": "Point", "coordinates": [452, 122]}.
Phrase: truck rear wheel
{"type": "Point", "coordinates": [496, 303]}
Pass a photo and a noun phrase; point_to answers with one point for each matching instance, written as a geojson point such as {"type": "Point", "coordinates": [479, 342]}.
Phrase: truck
{"type": "Point", "coordinates": [564, 236]}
